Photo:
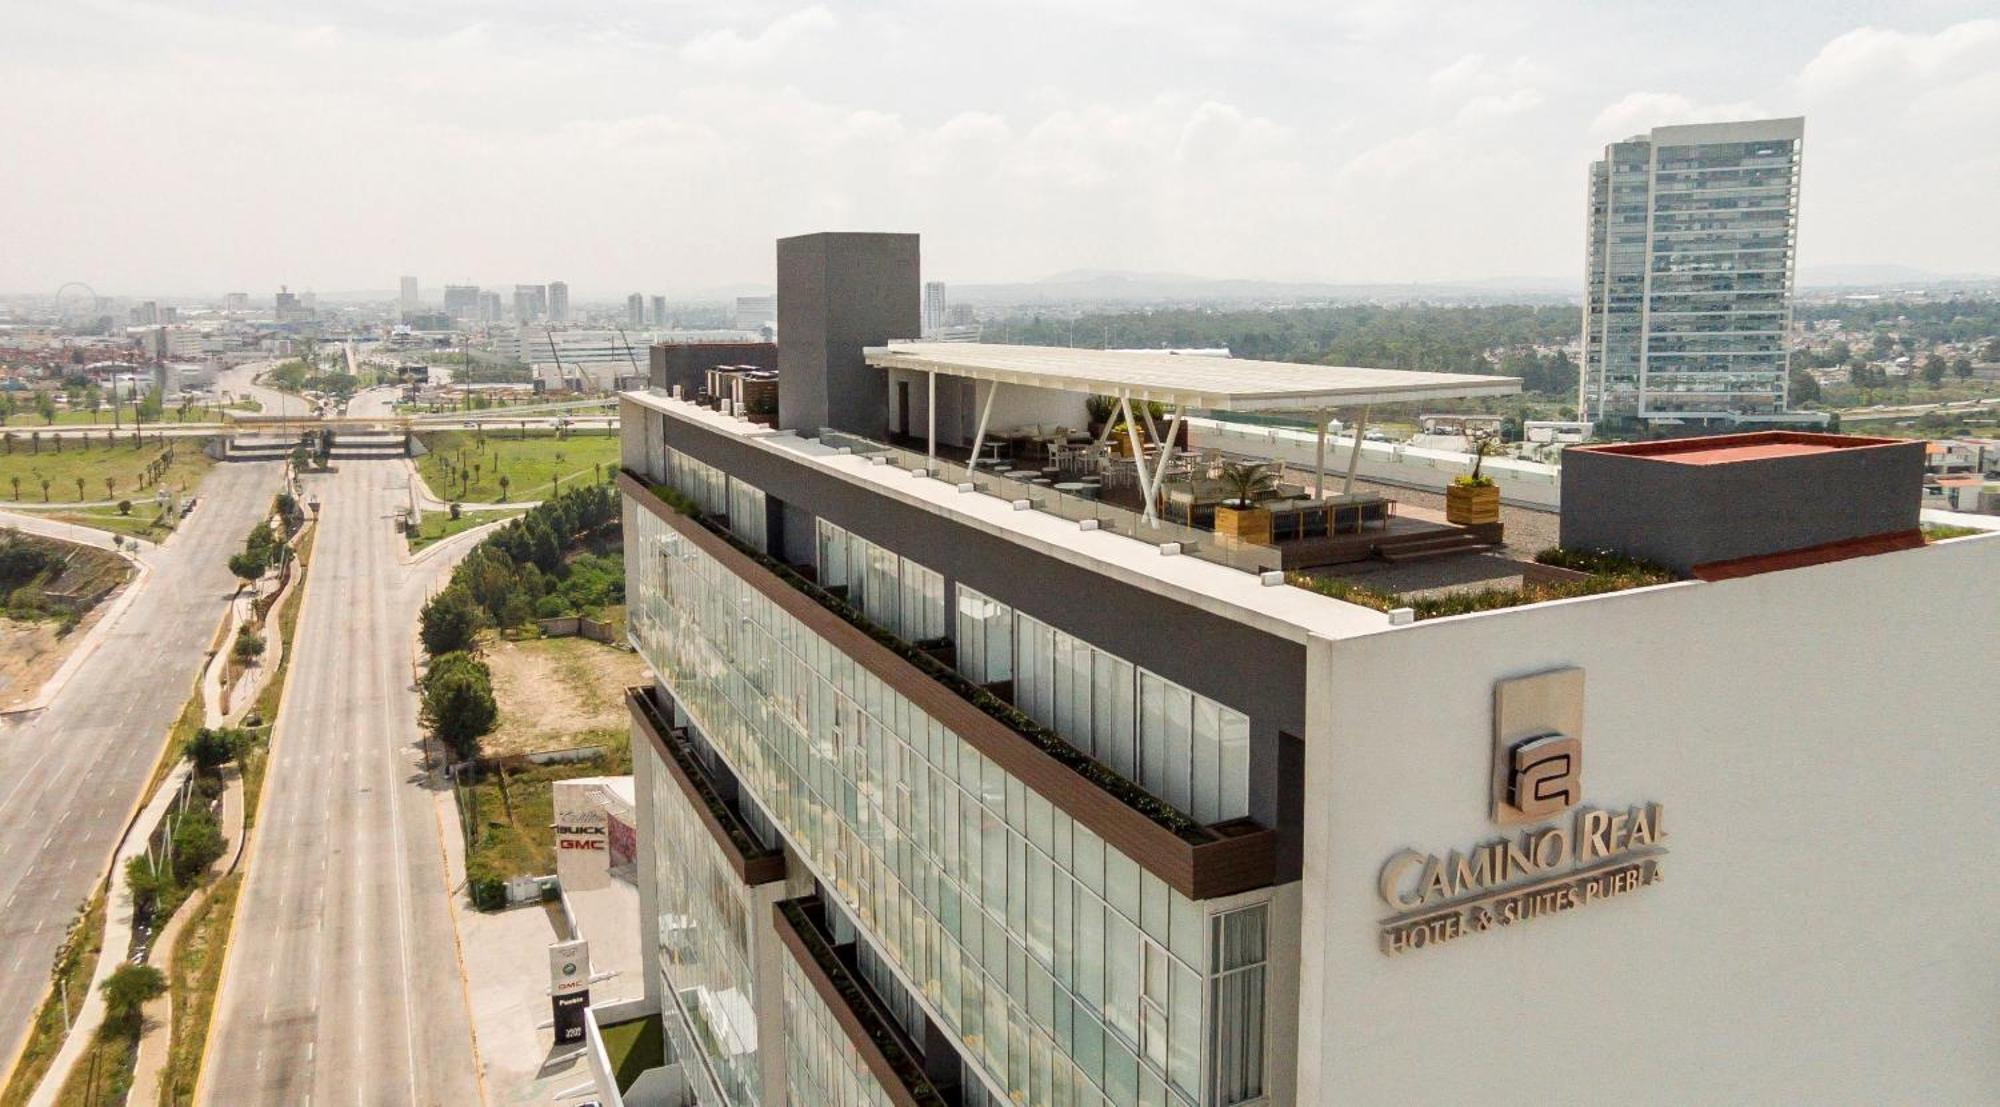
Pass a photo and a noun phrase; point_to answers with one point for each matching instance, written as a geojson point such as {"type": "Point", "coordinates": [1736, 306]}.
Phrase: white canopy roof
{"type": "Point", "coordinates": [1215, 384]}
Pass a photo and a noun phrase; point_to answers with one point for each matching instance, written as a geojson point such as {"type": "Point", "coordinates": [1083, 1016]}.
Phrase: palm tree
{"type": "Point", "coordinates": [109, 484]}
{"type": "Point", "coordinates": [79, 489]}
{"type": "Point", "coordinates": [45, 486]}
{"type": "Point", "coordinates": [17, 487]}
{"type": "Point", "coordinates": [504, 482]}
{"type": "Point", "coordinates": [1247, 482]}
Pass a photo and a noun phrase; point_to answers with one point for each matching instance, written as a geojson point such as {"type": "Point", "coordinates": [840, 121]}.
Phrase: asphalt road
{"type": "Point", "coordinates": [240, 382]}
{"type": "Point", "coordinates": [71, 776]}
{"type": "Point", "coordinates": [342, 984]}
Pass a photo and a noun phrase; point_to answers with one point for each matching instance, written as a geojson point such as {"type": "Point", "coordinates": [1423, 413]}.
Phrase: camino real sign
{"type": "Point", "coordinates": [1568, 856]}
{"type": "Point", "coordinates": [569, 987]}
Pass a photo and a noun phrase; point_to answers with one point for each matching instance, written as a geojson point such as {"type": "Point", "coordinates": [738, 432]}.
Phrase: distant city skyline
{"type": "Point", "coordinates": [1371, 143]}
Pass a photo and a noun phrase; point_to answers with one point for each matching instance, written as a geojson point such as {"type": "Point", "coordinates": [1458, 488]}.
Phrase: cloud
{"type": "Point", "coordinates": [1493, 107]}
{"type": "Point", "coordinates": [729, 47]}
{"type": "Point", "coordinates": [1877, 58]}
{"type": "Point", "coordinates": [1641, 111]}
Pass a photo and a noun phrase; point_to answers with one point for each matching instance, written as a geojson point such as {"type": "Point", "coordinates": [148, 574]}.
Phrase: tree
{"type": "Point", "coordinates": [79, 488]}
{"type": "Point", "coordinates": [1934, 370]}
{"type": "Point", "coordinates": [458, 702]}
{"type": "Point", "coordinates": [17, 486]}
{"type": "Point", "coordinates": [1961, 367]}
{"type": "Point", "coordinates": [247, 567]}
{"type": "Point", "coordinates": [504, 482]}
{"type": "Point", "coordinates": [128, 988]}
{"type": "Point", "coordinates": [45, 406]}
{"type": "Point", "coordinates": [449, 622]}
{"type": "Point", "coordinates": [1805, 387]}
{"type": "Point", "coordinates": [212, 749]}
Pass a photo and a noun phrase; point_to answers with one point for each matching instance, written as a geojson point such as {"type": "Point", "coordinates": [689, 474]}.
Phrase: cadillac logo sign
{"type": "Point", "coordinates": [1565, 856]}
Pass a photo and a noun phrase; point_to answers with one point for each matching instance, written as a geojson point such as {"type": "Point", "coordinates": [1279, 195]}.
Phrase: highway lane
{"type": "Point", "coordinates": [342, 984]}
{"type": "Point", "coordinates": [71, 776]}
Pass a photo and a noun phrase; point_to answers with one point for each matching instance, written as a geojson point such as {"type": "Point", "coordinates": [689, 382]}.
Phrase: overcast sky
{"type": "Point", "coordinates": [155, 147]}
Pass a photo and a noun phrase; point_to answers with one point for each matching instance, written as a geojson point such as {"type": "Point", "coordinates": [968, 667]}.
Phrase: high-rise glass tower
{"type": "Point", "coordinates": [1693, 237]}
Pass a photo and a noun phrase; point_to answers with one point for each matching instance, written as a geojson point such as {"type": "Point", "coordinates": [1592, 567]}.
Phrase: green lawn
{"type": "Point", "coordinates": [438, 525]}
{"type": "Point", "coordinates": [146, 520]}
{"type": "Point", "coordinates": [467, 465]}
{"type": "Point", "coordinates": [29, 421]}
{"type": "Point", "coordinates": [125, 466]}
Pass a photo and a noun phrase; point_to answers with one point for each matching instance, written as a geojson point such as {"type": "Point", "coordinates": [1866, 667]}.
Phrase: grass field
{"type": "Point", "coordinates": [146, 521]}
{"type": "Point", "coordinates": [123, 465]}
{"type": "Point", "coordinates": [438, 525]}
{"type": "Point", "coordinates": [554, 693]}
{"type": "Point", "coordinates": [30, 420]}
{"type": "Point", "coordinates": [467, 466]}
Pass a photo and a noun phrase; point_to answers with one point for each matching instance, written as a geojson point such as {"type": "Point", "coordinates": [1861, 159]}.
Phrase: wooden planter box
{"type": "Point", "coordinates": [1468, 506]}
{"type": "Point", "coordinates": [1251, 524]}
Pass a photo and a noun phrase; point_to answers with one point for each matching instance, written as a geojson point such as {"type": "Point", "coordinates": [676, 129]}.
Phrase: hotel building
{"type": "Point", "coordinates": [958, 788]}
{"type": "Point", "coordinates": [1688, 297]}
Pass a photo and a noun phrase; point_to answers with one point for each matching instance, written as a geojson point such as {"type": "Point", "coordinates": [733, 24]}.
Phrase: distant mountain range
{"type": "Point", "coordinates": [1114, 286]}
{"type": "Point", "coordinates": [1886, 276]}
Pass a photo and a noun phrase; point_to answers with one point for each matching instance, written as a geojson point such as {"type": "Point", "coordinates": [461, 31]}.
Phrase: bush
{"type": "Point", "coordinates": [249, 645]}
{"type": "Point", "coordinates": [197, 843]}
{"type": "Point", "coordinates": [128, 988]}
{"type": "Point", "coordinates": [124, 507]}
{"type": "Point", "coordinates": [483, 886]}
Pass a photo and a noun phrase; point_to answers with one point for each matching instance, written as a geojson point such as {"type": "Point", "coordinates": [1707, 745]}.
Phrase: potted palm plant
{"type": "Point", "coordinates": [1100, 409]}
{"type": "Point", "coordinates": [1473, 498]}
{"type": "Point", "coordinates": [1246, 482]}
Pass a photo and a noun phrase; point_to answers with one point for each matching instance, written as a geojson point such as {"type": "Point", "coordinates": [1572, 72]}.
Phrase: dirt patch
{"type": "Point", "coordinates": [31, 651]}
{"type": "Point", "coordinates": [555, 691]}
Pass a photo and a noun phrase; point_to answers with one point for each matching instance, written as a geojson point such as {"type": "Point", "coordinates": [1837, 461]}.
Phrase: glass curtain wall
{"type": "Point", "coordinates": [1067, 974]}
{"type": "Point", "coordinates": [1189, 750]}
{"type": "Point", "coordinates": [705, 942]}
{"type": "Point", "coordinates": [895, 593]}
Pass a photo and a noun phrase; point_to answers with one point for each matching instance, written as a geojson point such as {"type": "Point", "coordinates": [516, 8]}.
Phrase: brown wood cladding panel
{"type": "Point", "coordinates": [762, 869]}
{"type": "Point", "coordinates": [1221, 867]}
{"type": "Point", "coordinates": [850, 1023]}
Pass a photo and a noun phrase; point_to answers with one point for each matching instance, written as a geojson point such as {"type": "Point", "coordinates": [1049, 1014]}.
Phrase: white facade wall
{"type": "Point", "coordinates": [1824, 930]}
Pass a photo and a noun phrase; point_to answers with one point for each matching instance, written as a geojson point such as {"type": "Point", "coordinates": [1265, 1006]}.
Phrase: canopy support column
{"type": "Point", "coordinates": [979, 437]}
{"type": "Point", "coordinates": [1354, 455]}
{"type": "Point", "coordinates": [1167, 447]}
{"type": "Point", "coordinates": [930, 417]}
{"type": "Point", "coordinates": [1319, 454]}
{"type": "Point", "coordinates": [1138, 455]}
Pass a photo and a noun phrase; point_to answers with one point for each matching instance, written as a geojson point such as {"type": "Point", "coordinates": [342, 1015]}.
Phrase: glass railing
{"type": "Point", "coordinates": [1221, 549]}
